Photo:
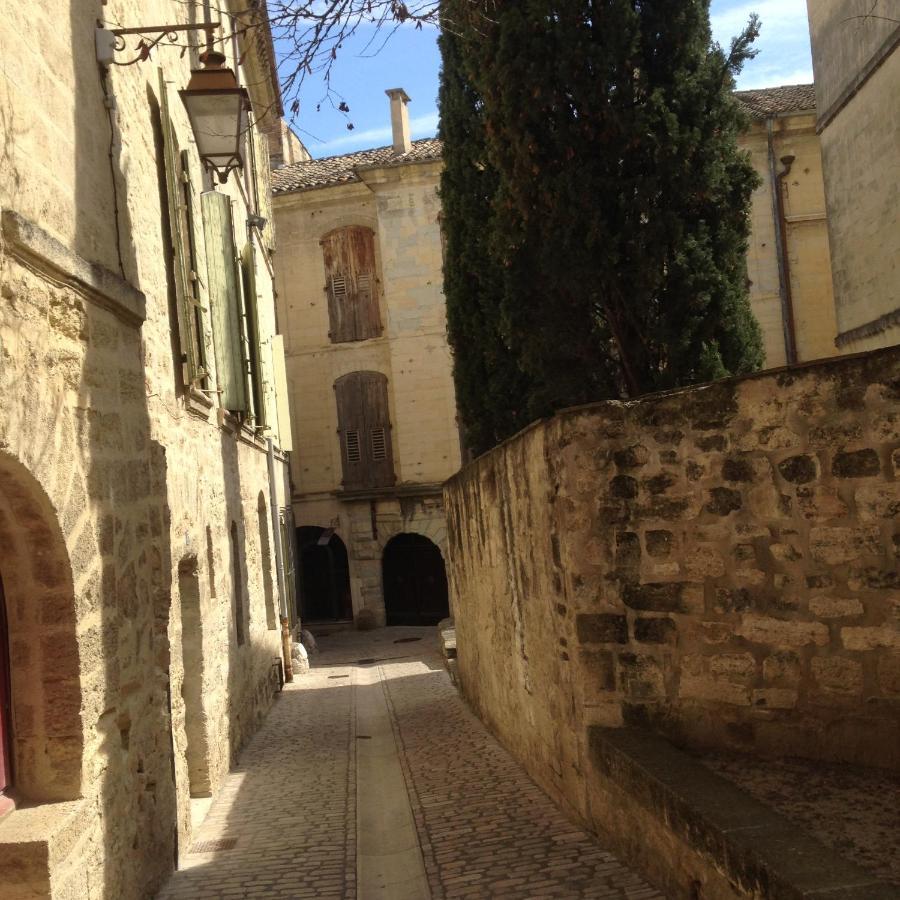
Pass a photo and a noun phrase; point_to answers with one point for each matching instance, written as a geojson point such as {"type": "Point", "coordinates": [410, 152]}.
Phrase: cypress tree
{"type": "Point", "coordinates": [491, 389]}
{"type": "Point", "coordinates": [620, 210]}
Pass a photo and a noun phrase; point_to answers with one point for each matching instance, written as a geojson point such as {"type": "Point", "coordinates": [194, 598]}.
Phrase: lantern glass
{"type": "Point", "coordinates": [218, 114]}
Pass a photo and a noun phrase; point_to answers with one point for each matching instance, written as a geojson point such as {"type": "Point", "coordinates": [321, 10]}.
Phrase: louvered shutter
{"type": "Point", "coordinates": [225, 300]}
{"type": "Point", "coordinates": [252, 330]}
{"type": "Point", "coordinates": [178, 195]}
{"type": "Point", "coordinates": [349, 257]}
{"type": "Point", "coordinates": [364, 429]}
{"type": "Point", "coordinates": [264, 189]}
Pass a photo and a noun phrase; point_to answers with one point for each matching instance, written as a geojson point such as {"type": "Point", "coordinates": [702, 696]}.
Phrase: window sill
{"type": "Point", "coordinates": [197, 402]}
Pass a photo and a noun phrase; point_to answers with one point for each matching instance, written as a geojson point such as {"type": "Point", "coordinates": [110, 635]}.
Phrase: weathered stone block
{"type": "Point", "coordinates": [733, 600]}
{"type": "Point", "coordinates": [837, 675]}
{"type": "Point", "coordinates": [628, 548]}
{"type": "Point", "coordinates": [775, 698]}
{"type": "Point", "coordinates": [657, 630]}
{"type": "Point", "coordinates": [703, 561]}
{"type": "Point", "coordinates": [599, 669]}
{"type": "Point", "coordinates": [785, 552]}
{"type": "Point", "coordinates": [708, 688]}
{"type": "Point", "coordinates": [782, 668]}
{"type": "Point", "coordinates": [834, 545]}
{"type": "Point", "coordinates": [723, 501]}
{"type": "Point", "coordinates": [799, 469]}
{"type": "Point", "coordinates": [659, 484]}
{"type": "Point", "coordinates": [738, 469]}
{"type": "Point", "coordinates": [623, 487]}
{"type": "Point", "coordinates": [641, 677]}
{"type": "Point", "coordinates": [744, 552]}
{"type": "Point", "coordinates": [856, 464]}
{"type": "Point", "coordinates": [835, 607]}
{"type": "Point", "coordinates": [737, 667]}
{"type": "Point", "coordinates": [711, 442]}
{"type": "Point", "coordinates": [878, 501]}
{"type": "Point", "coordinates": [871, 637]}
{"type": "Point", "coordinates": [665, 596]}
{"type": "Point", "coordinates": [658, 542]}
{"type": "Point", "coordinates": [889, 675]}
{"type": "Point", "coordinates": [601, 628]}
{"type": "Point", "coordinates": [631, 457]}
{"type": "Point", "coordinates": [873, 579]}
{"type": "Point", "coordinates": [817, 502]}
{"type": "Point", "coordinates": [694, 471]}
{"type": "Point", "coordinates": [782, 632]}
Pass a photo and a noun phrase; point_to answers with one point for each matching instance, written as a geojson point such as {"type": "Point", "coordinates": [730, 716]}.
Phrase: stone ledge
{"type": "Point", "coordinates": [758, 851]}
{"type": "Point", "coordinates": [35, 842]}
{"type": "Point", "coordinates": [41, 251]}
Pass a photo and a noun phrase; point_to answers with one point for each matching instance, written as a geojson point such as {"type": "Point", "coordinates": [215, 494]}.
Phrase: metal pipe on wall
{"type": "Point", "coordinates": [279, 564]}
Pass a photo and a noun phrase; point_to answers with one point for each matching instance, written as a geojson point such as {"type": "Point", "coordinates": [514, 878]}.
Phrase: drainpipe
{"type": "Point", "coordinates": [781, 250]}
{"type": "Point", "coordinates": [279, 566]}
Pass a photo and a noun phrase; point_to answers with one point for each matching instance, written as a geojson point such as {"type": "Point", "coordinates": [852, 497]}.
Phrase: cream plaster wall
{"type": "Point", "coordinates": [400, 204]}
{"type": "Point", "coordinates": [857, 70]}
{"type": "Point", "coordinates": [96, 432]}
{"type": "Point", "coordinates": [807, 241]}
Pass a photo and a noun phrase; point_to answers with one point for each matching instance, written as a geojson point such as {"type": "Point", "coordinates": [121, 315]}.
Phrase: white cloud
{"type": "Point", "coordinates": [420, 126]}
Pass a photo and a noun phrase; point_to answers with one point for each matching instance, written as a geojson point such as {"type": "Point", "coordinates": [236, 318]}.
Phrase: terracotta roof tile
{"type": "Point", "coordinates": [334, 170]}
{"type": "Point", "coordinates": [778, 100]}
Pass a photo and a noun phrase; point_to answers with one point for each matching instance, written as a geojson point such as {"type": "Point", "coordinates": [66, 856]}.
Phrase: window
{"type": "Point", "coordinates": [350, 282]}
{"type": "Point", "coordinates": [180, 196]}
{"type": "Point", "coordinates": [365, 430]}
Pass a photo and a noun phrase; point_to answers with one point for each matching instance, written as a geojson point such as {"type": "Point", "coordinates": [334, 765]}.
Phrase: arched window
{"type": "Point", "coordinates": [351, 284]}
{"type": "Point", "coordinates": [365, 430]}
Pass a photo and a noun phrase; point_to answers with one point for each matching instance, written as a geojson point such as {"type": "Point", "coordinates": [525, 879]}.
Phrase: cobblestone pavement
{"type": "Point", "coordinates": [484, 828]}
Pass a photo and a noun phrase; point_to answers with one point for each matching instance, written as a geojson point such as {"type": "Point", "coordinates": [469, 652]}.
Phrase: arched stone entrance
{"type": "Point", "coordinates": [415, 581]}
{"type": "Point", "coordinates": [324, 583]}
{"type": "Point", "coordinates": [44, 732]}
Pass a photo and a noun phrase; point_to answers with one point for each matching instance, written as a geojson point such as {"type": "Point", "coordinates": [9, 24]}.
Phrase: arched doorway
{"type": "Point", "coordinates": [415, 581]}
{"type": "Point", "coordinates": [324, 584]}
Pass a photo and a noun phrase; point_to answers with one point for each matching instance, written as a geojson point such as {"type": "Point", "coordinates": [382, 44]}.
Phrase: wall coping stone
{"type": "Point", "coordinates": [757, 849]}
{"type": "Point", "coordinates": [46, 255]}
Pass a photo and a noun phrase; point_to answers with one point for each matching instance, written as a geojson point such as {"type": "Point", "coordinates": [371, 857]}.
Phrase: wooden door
{"type": "Point", "coordinates": [415, 582]}
{"type": "Point", "coordinates": [5, 702]}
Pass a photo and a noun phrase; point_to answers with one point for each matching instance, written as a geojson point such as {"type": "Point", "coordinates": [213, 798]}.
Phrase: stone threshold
{"type": "Point", "coordinates": [726, 843]}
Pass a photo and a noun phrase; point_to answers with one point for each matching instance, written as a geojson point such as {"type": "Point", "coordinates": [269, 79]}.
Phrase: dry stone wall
{"type": "Point", "coordinates": [720, 563]}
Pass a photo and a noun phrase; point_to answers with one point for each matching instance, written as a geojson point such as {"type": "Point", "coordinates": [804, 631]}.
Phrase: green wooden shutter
{"type": "Point", "coordinates": [264, 189]}
{"type": "Point", "coordinates": [225, 300]}
{"type": "Point", "coordinates": [254, 349]}
{"type": "Point", "coordinates": [190, 337]}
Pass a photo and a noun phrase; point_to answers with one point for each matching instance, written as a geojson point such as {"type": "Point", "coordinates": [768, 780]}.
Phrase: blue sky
{"type": "Point", "coordinates": [410, 60]}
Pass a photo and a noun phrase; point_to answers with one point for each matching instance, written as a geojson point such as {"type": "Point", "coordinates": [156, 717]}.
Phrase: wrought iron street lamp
{"type": "Point", "coordinates": [217, 107]}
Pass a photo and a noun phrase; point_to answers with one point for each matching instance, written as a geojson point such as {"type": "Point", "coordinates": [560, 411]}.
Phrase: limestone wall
{"type": "Point", "coordinates": [720, 563]}
{"type": "Point", "coordinates": [857, 69]}
{"type": "Point", "coordinates": [118, 487]}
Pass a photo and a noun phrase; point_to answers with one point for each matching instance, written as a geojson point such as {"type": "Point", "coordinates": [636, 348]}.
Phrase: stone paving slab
{"type": "Point", "coordinates": [485, 830]}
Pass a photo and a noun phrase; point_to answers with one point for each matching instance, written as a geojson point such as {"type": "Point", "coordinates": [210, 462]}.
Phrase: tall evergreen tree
{"type": "Point", "coordinates": [620, 211]}
{"type": "Point", "coordinates": [491, 389]}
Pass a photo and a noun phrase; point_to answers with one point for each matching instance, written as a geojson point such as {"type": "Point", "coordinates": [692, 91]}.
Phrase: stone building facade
{"type": "Point", "coordinates": [361, 303]}
{"type": "Point", "coordinates": [857, 69]}
{"type": "Point", "coordinates": [789, 262]}
{"type": "Point", "coordinates": [143, 479]}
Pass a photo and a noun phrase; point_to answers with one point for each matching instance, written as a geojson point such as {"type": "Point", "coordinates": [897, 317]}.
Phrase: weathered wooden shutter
{"type": "Point", "coordinates": [225, 300]}
{"type": "Point", "coordinates": [364, 428]}
{"type": "Point", "coordinates": [254, 348]}
{"type": "Point", "coordinates": [282, 401]}
{"type": "Point", "coordinates": [264, 189]}
{"type": "Point", "coordinates": [349, 255]}
{"type": "Point", "coordinates": [179, 195]}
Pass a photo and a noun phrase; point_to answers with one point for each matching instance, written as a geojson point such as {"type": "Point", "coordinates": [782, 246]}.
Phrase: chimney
{"type": "Point", "coordinates": [400, 120]}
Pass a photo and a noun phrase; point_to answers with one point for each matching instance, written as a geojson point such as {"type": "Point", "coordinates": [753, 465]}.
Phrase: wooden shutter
{"type": "Point", "coordinates": [282, 400]}
{"type": "Point", "coordinates": [264, 189]}
{"type": "Point", "coordinates": [254, 348]}
{"type": "Point", "coordinates": [179, 195]}
{"type": "Point", "coordinates": [350, 282]}
{"type": "Point", "coordinates": [225, 300]}
{"type": "Point", "coordinates": [365, 430]}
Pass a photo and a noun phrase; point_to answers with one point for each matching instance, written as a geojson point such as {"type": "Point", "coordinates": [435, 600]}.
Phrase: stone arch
{"type": "Point", "coordinates": [432, 527]}
{"type": "Point", "coordinates": [45, 665]}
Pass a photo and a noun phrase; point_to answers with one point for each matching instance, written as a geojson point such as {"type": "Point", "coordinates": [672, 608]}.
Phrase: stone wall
{"type": "Point", "coordinates": [719, 563]}
{"type": "Point", "coordinates": [118, 486]}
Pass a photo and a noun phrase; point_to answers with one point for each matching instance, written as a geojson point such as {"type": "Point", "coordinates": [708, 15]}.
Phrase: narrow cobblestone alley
{"type": "Point", "coordinates": [372, 779]}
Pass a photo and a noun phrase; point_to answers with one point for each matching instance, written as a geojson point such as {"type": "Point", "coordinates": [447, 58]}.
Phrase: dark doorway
{"type": "Point", "coordinates": [5, 702]}
{"type": "Point", "coordinates": [324, 583]}
{"type": "Point", "coordinates": [415, 581]}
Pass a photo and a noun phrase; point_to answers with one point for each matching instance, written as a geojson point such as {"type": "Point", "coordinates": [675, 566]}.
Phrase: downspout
{"type": "Point", "coordinates": [784, 271]}
{"type": "Point", "coordinates": [279, 566]}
